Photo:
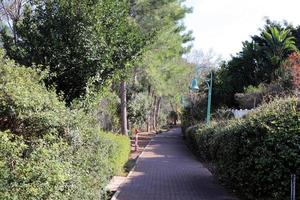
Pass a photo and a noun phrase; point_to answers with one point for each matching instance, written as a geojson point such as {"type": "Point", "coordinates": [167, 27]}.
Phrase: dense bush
{"type": "Point", "coordinates": [25, 106]}
{"type": "Point", "coordinates": [48, 151]}
{"type": "Point", "coordinates": [195, 109]}
{"type": "Point", "coordinates": [255, 155]}
{"type": "Point", "coordinates": [139, 109]}
{"type": "Point", "coordinates": [42, 173]}
{"type": "Point", "coordinates": [103, 105]}
{"type": "Point", "coordinates": [119, 153]}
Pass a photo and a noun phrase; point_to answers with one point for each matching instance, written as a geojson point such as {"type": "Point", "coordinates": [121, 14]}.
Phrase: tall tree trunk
{"type": "Point", "coordinates": [148, 124]}
{"type": "Point", "coordinates": [172, 106]}
{"type": "Point", "coordinates": [123, 108]}
{"type": "Point", "coordinates": [153, 114]}
{"type": "Point", "coordinates": [157, 110]}
{"type": "Point", "coordinates": [151, 110]}
{"type": "Point", "coordinates": [149, 116]}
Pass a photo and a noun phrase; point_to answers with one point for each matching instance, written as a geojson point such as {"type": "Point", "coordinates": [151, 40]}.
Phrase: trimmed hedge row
{"type": "Point", "coordinates": [48, 151]}
{"type": "Point", "coordinates": [41, 174]}
{"type": "Point", "coordinates": [119, 152]}
{"type": "Point", "coordinates": [254, 155]}
{"type": "Point", "coordinates": [53, 169]}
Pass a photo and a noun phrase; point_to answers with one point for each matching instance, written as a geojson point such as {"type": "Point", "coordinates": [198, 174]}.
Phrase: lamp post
{"type": "Point", "coordinates": [195, 87]}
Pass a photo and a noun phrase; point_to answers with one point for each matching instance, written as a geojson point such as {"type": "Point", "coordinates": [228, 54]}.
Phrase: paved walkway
{"type": "Point", "coordinates": [167, 170]}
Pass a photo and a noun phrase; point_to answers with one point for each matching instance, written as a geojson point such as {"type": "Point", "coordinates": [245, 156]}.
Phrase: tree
{"type": "Point", "coordinates": [155, 67]}
{"type": "Point", "coordinates": [204, 60]}
{"type": "Point", "coordinates": [258, 62]}
{"type": "Point", "coordinates": [123, 108]}
{"type": "Point", "coordinates": [79, 41]}
{"type": "Point", "coordinates": [278, 44]}
{"type": "Point", "coordinates": [85, 44]}
{"type": "Point", "coordinates": [11, 12]}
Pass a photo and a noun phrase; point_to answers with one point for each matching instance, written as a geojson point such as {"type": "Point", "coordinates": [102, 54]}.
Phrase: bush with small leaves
{"type": "Point", "coordinates": [257, 154]}
{"type": "Point", "coordinates": [47, 150]}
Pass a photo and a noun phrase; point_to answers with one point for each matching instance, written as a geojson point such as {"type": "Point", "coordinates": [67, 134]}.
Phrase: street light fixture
{"type": "Point", "coordinates": [195, 88]}
{"type": "Point", "coordinates": [194, 85]}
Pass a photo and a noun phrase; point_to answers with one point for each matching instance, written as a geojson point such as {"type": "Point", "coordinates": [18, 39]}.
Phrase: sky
{"type": "Point", "coordinates": [222, 25]}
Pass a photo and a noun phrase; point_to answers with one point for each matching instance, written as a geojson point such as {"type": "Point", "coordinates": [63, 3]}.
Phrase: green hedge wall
{"type": "Point", "coordinates": [48, 151]}
{"type": "Point", "coordinates": [119, 153]}
{"type": "Point", "coordinates": [254, 155]}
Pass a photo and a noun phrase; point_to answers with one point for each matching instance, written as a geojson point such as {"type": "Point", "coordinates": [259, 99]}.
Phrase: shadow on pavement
{"type": "Point", "coordinates": [167, 170]}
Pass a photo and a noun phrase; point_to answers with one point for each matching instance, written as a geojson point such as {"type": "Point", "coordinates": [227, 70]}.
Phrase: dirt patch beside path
{"type": "Point", "coordinates": [143, 140]}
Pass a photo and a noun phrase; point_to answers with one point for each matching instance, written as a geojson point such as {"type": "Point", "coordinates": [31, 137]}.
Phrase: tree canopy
{"type": "Point", "coordinates": [77, 40]}
{"type": "Point", "coordinates": [259, 61]}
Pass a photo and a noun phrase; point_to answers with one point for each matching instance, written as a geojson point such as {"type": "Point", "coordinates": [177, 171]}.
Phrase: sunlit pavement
{"type": "Point", "coordinates": [167, 170]}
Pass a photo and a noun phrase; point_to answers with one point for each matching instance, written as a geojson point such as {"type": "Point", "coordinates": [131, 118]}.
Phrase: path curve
{"type": "Point", "coordinates": [167, 170]}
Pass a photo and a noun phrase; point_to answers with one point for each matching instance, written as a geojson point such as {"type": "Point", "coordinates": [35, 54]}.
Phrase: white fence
{"type": "Point", "coordinates": [240, 113]}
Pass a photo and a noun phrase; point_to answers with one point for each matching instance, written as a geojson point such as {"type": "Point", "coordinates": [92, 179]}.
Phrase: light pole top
{"type": "Point", "coordinates": [194, 85]}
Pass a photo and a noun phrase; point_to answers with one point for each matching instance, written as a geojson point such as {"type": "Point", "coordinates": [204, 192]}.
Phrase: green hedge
{"type": "Point", "coordinates": [254, 155]}
{"type": "Point", "coordinates": [48, 151]}
{"type": "Point", "coordinates": [119, 152]}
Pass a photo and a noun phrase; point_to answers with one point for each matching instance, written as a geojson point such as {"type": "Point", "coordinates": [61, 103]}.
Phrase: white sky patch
{"type": "Point", "coordinates": [222, 25]}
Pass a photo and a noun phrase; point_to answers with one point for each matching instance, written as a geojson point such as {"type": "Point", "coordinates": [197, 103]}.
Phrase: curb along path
{"type": "Point", "coordinates": [167, 170]}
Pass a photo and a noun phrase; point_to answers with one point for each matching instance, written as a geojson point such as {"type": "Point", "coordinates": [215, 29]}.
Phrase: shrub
{"type": "Point", "coordinates": [255, 155]}
{"type": "Point", "coordinates": [222, 114]}
{"type": "Point", "coordinates": [41, 174]}
{"type": "Point", "coordinates": [26, 107]}
{"type": "Point", "coordinates": [195, 111]}
{"type": "Point", "coordinates": [254, 89]}
{"type": "Point", "coordinates": [103, 105]}
{"type": "Point", "coordinates": [119, 152]}
{"type": "Point", "coordinates": [48, 151]}
{"type": "Point", "coordinates": [139, 109]}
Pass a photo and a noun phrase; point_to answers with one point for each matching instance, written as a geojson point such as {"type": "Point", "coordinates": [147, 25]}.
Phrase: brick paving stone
{"type": "Point", "coordinates": [167, 170]}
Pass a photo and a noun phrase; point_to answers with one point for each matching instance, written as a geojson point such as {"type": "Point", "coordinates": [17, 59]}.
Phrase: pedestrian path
{"type": "Point", "coordinates": [167, 170]}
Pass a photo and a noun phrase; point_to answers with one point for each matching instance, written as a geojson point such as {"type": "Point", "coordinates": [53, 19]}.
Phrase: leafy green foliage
{"type": "Point", "coordinates": [154, 15]}
{"type": "Point", "coordinates": [279, 43]}
{"type": "Point", "coordinates": [48, 151]}
{"type": "Point", "coordinates": [160, 71]}
{"type": "Point", "coordinates": [103, 106]}
{"type": "Point", "coordinates": [195, 110]}
{"type": "Point", "coordinates": [255, 155]}
{"type": "Point", "coordinates": [139, 109]}
{"type": "Point", "coordinates": [42, 174]}
{"type": "Point", "coordinates": [252, 89]}
{"type": "Point", "coordinates": [52, 169]}
{"type": "Point", "coordinates": [119, 152]}
{"type": "Point", "coordinates": [25, 106]}
{"type": "Point", "coordinates": [259, 61]}
{"type": "Point", "coordinates": [79, 41]}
